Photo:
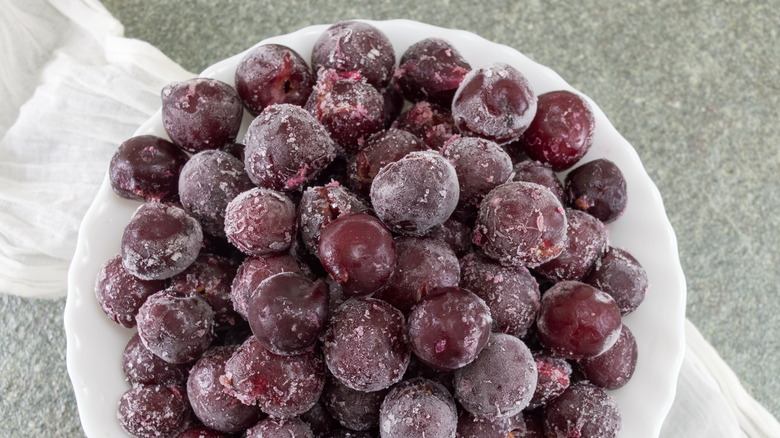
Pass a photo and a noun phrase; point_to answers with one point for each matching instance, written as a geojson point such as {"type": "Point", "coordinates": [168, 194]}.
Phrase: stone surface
{"type": "Point", "coordinates": [691, 84]}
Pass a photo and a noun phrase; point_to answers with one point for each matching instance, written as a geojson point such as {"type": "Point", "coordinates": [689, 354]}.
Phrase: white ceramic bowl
{"type": "Point", "coordinates": [95, 344]}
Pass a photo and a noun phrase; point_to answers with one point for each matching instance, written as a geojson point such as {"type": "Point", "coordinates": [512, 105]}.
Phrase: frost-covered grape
{"type": "Point", "coordinates": [357, 410]}
{"type": "Point", "coordinates": [584, 410]}
{"type": "Point", "coordinates": [416, 193]}
{"type": "Point", "coordinates": [260, 221]}
{"type": "Point", "coordinates": [153, 411]}
{"type": "Point", "coordinates": [487, 386]}
{"type": "Point", "coordinates": [418, 408]}
{"type": "Point", "coordinates": [254, 270]}
{"type": "Point", "coordinates": [619, 274]}
{"type": "Point", "coordinates": [365, 345]}
{"type": "Point", "coordinates": [586, 241]}
{"type": "Point", "coordinates": [142, 366]}
{"type": "Point", "coordinates": [120, 293]}
{"type": "Point", "coordinates": [431, 69]}
{"type": "Point", "coordinates": [146, 168]}
{"type": "Point", "coordinates": [613, 368]}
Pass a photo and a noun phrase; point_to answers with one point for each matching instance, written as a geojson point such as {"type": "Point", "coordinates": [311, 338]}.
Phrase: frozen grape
{"type": "Point", "coordinates": [416, 193]}
{"type": "Point", "coordinates": [207, 183]}
{"type": "Point", "coordinates": [280, 428]}
{"type": "Point", "coordinates": [286, 148]}
{"type": "Point", "coordinates": [153, 411]}
{"type": "Point", "coordinates": [487, 386]}
{"type": "Point", "coordinates": [142, 366]}
{"type": "Point", "coordinates": [211, 404]}
{"type": "Point", "coordinates": [160, 241]}
{"type": "Point", "coordinates": [431, 69]}
{"type": "Point", "coordinates": [365, 344]}
{"type": "Point", "coordinates": [521, 223]}
{"type": "Point", "coordinates": [201, 113]}
{"type": "Point", "coordinates": [584, 410]}
{"type": "Point", "coordinates": [357, 410]}
{"type": "Point", "coordinates": [620, 275]}
{"type": "Point", "coordinates": [201, 432]}
{"type": "Point", "coordinates": [577, 320]}
{"type": "Point", "coordinates": [120, 294]}
{"type": "Point", "coordinates": [418, 408]}
{"type": "Point", "coordinates": [542, 174]}
{"type": "Point", "coordinates": [494, 102]}
{"type": "Point", "coordinates": [178, 329]}
{"type": "Point", "coordinates": [271, 74]}
{"type": "Point", "coordinates": [449, 327]}
{"type": "Point", "coordinates": [431, 123]}
{"type": "Point", "coordinates": [511, 292]}
{"type": "Point", "coordinates": [562, 130]}
{"type": "Point", "coordinates": [472, 426]}
{"type": "Point", "coordinates": [260, 221]}
{"type": "Point", "coordinates": [348, 107]}
{"type": "Point", "coordinates": [597, 188]}
{"type": "Point", "coordinates": [282, 386]}
{"type": "Point", "coordinates": [554, 377]}
{"type": "Point", "coordinates": [287, 312]}
{"type": "Point", "coordinates": [358, 252]}
{"type": "Point", "coordinates": [146, 168]}
{"type": "Point", "coordinates": [354, 45]}
{"type": "Point", "coordinates": [613, 368]}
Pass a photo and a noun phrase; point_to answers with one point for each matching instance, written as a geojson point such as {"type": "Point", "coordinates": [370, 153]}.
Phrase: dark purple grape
{"type": "Point", "coordinates": [207, 183]}
{"type": "Point", "coordinates": [177, 329]}
{"type": "Point", "coordinates": [613, 368]}
{"type": "Point", "coordinates": [481, 166]}
{"type": "Point", "coordinates": [586, 241]}
{"type": "Point", "coordinates": [211, 404]}
{"type": "Point", "coordinates": [287, 312]}
{"type": "Point", "coordinates": [584, 410]}
{"type": "Point", "coordinates": [153, 411]}
{"type": "Point", "coordinates": [160, 241]}
{"type": "Point", "coordinates": [431, 69]}
{"type": "Point", "coordinates": [353, 45]}
{"type": "Point", "coordinates": [511, 292]}
{"type": "Point", "coordinates": [358, 252]}
{"type": "Point", "coordinates": [472, 426]}
{"type": "Point", "coordinates": [282, 386]}
{"type": "Point", "coordinates": [487, 386]}
{"type": "Point", "coordinates": [577, 320]}
{"type": "Point", "coordinates": [201, 432]}
{"type": "Point", "coordinates": [280, 428]}
{"type": "Point", "coordinates": [449, 327]}
{"type": "Point", "coordinates": [146, 168]}
{"type": "Point", "coordinates": [357, 410]}
{"type": "Point", "coordinates": [271, 74]}
{"type": "Point", "coordinates": [423, 265]}
{"type": "Point", "coordinates": [554, 377]}
{"type": "Point", "coordinates": [319, 420]}
{"type": "Point", "coordinates": [431, 123]}
{"type": "Point", "coordinates": [286, 148]}
{"type": "Point", "coordinates": [521, 223]}
{"type": "Point", "coordinates": [120, 294]}
{"type": "Point", "coordinates": [597, 188]}
{"type": "Point", "coordinates": [142, 366]}
{"type": "Point", "coordinates": [539, 173]}
{"type": "Point", "coordinates": [349, 108]}
{"type": "Point", "coordinates": [365, 344]}
{"type": "Point", "coordinates": [620, 275]}
{"type": "Point", "coordinates": [320, 206]}
{"type": "Point", "coordinates": [494, 102]}
{"type": "Point", "coordinates": [201, 113]}
{"type": "Point", "coordinates": [562, 130]}
{"type": "Point", "coordinates": [380, 149]}
{"type": "Point", "coordinates": [210, 277]}
{"type": "Point", "coordinates": [256, 269]}
{"type": "Point", "coordinates": [260, 221]}
{"type": "Point", "coordinates": [418, 408]}
{"type": "Point", "coordinates": [416, 193]}
{"type": "Point", "coordinates": [455, 234]}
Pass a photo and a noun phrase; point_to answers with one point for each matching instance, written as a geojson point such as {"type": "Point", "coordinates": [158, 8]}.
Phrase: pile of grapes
{"type": "Point", "coordinates": [388, 252]}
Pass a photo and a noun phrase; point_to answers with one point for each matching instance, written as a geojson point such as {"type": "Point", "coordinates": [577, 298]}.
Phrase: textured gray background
{"type": "Point", "coordinates": [691, 84]}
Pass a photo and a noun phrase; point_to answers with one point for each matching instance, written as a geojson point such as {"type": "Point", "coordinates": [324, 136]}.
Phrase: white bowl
{"type": "Point", "coordinates": [95, 344]}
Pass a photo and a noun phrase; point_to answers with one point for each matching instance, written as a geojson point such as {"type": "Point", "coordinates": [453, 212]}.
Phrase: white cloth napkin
{"type": "Point", "coordinates": [73, 89]}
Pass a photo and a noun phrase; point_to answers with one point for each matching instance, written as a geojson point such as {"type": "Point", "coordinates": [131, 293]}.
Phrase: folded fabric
{"type": "Point", "coordinates": [75, 89]}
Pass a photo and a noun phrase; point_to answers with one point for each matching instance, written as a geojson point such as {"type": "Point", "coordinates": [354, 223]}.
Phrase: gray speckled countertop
{"type": "Point", "coordinates": [691, 84]}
